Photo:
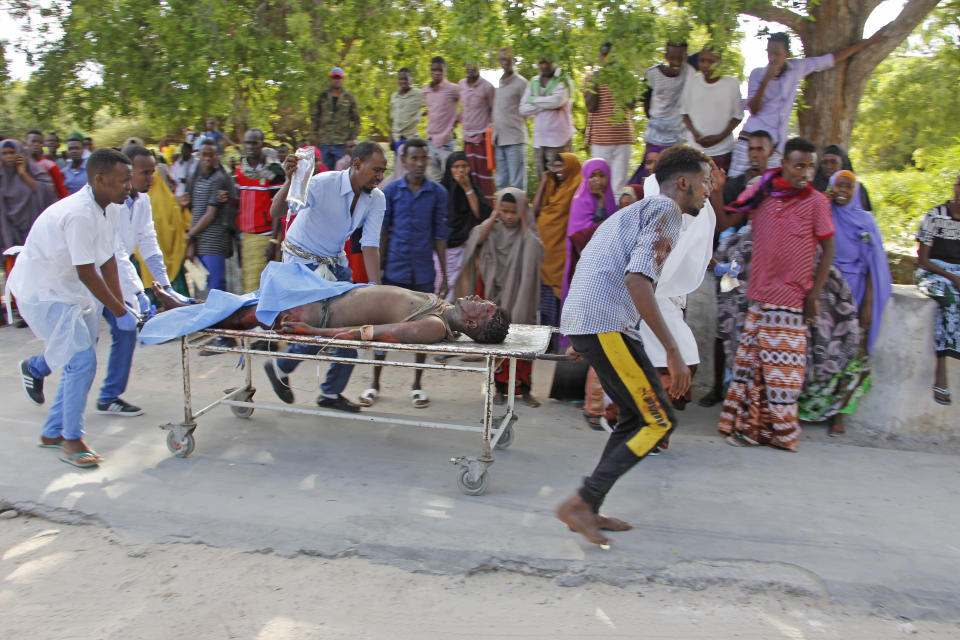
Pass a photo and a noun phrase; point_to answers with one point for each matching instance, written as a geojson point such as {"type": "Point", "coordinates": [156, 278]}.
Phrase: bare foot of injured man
{"type": "Point", "coordinates": [578, 515]}
{"type": "Point", "coordinates": [378, 313]}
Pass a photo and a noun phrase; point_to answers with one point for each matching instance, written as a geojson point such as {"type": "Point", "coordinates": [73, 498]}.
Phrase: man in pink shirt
{"type": "Point", "coordinates": [476, 98]}
{"type": "Point", "coordinates": [790, 218]}
{"type": "Point", "coordinates": [442, 97]}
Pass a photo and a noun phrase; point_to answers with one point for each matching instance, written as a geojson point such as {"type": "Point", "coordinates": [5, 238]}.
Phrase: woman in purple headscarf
{"type": "Point", "coordinates": [593, 203]}
{"type": "Point", "coordinates": [26, 189]}
{"type": "Point", "coordinates": [861, 259]}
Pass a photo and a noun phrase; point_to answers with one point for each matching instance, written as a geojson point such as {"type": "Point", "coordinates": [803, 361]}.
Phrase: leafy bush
{"type": "Point", "coordinates": [900, 198]}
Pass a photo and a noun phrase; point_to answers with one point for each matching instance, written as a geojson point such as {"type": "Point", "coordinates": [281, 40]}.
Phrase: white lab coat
{"type": "Point", "coordinates": [682, 273]}
{"type": "Point", "coordinates": [135, 230]}
{"type": "Point", "coordinates": [57, 306]}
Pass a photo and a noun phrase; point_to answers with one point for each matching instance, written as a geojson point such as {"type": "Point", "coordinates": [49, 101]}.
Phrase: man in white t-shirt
{"type": "Point", "coordinates": [710, 104]}
{"type": "Point", "coordinates": [65, 275]}
{"type": "Point", "coordinates": [661, 101]}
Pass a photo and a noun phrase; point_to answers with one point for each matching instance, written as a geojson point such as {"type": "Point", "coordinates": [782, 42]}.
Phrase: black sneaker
{"type": "Point", "coordinates": [119, 408]}
{"type": "Point", "coordinates": [340, 403]}
{"type": "Point", "coordinates": [32, 386]}
{"type": "Point", "coordinates": [280, 383]}
{"type": "Point", "coordinates": [219, 341]}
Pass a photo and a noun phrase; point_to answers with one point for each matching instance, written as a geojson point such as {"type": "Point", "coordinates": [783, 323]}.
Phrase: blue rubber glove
{"type": "Point", "coordinates": [735, 269]}
{"type": "Point", "coordinates": [144, 303]}
{"type": "Point", "coordinates": [721, 268]}
{"type": "Point", "coordinates": [179, 298]}
{"type": "Point", "coordinates": [127, 322]}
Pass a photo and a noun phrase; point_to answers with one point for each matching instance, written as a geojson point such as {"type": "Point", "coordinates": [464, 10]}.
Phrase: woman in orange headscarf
{"type": "Point", "coordinates": [551, 206]}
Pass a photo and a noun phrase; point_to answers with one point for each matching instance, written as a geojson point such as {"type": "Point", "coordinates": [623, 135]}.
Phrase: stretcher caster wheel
{"type": "Point", "coordinates": [506, 438]}
{"type": "Point", "coordinates": [180, 448]}
{"type": "Point", "coordinates": [472, 488]}
{"type": "Point", "coordinates": [242, 412]}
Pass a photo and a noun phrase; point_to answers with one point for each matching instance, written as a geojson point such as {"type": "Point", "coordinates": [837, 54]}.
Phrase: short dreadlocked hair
{"type": "Point", "coordinates": [494, 330]}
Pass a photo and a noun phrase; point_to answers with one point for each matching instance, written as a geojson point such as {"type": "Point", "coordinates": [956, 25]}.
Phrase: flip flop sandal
{"type": "Point", "coordinates": [735, 440]}
{"type": "Point", "coordinates": [368, 397]}
{"type": "Point", "coordinates": [44, 445]}
{"type": "Point", "coordinates": [837, 430]}
{"type": "Point", "coordinates": [419, 399]}
{"type": "Point", "coordinates": [945, 396]}
{"type": "Point", "coordinates": [75, 458]}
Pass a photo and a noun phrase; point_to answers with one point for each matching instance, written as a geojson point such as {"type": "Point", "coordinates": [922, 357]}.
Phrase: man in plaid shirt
{"type": "Point", "coordinates": [612, 289]}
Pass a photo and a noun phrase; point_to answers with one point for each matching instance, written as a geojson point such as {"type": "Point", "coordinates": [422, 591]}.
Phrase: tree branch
{"type": "Point", "coordinates": [894, 32]}
{"type": "Point", "coordinates": [766, 11]}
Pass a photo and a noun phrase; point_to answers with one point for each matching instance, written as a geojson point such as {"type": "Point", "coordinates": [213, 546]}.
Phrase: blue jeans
{"type": "Point", "coordinates": [338, 375]}
{"type": "Point", "coordinates": [511, 163]}
{"type": "Point", "coordinates": [217, 266]}
{"type": "Point", "coordinates": [330, 153]}
{"type": "Point", "coordinates": [37, 366]}
{"type": "Point", "coordinates": [66, 413]}
{"type": "Point", "coordinates": [121, 358]}
{"type": "Point", "coordinates": [438, 159]}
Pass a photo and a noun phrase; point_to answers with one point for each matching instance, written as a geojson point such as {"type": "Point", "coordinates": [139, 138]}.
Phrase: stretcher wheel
{"type": "Point", "coordinates": [472, 488]}
{"type": "Point", "coordinates": [506, 438]}
{"type": "Point", "coordinates": [242, 412]}
{"type": "Point", "coordinates": [183, 448]}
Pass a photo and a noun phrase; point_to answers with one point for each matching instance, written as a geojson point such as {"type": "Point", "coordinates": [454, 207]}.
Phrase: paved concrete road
{"type": "Point", "coordinates": [871, 529]}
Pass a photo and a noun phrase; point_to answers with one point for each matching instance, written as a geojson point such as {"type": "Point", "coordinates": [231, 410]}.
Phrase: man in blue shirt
{"type": "Point", "coordinates": [611, 291]}
{"type": "Point", "coordinates": [414, 227]}
{"type": "Point", "coordinates": [75, 171]}
{"type": "Point", "coordinates": [338, 203]}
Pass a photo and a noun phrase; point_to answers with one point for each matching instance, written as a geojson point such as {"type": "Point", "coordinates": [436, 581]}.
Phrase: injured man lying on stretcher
{"type": "Point", "coordinates": [293, 299]}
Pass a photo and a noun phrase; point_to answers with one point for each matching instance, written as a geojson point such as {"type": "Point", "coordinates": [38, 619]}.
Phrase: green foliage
{"type": "Point", "coordinates": [900, 198]}
{"type": "Point", "coordinates": [911, 102]}
{"type": "Point", "coordinates": [170, 64]}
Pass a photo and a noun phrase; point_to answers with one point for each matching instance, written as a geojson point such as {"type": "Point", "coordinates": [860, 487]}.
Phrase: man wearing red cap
{"type": "Point", "coordinates": [336, 119]}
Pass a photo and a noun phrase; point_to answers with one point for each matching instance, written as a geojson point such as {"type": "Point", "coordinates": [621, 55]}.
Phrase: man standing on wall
{"type": "Point", "coordinates": [441, 97]}
{"type": "Point", "coordinates": [509, 127]}
{"type": "Point", "coordinates": [547, 101]}
{"type": "Point", "coordinates": [257, 180]}
{"type": "Point", "coordinates": [336, 119]}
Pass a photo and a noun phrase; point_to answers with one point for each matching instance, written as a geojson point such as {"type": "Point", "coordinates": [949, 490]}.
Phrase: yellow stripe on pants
{"type": "Point", "coordinates": [638, 386]}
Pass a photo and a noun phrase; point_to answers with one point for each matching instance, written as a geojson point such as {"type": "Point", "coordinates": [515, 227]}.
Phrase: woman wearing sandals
{"type": "Point", "coordinates": [938, 276]}
{"type": "Point", "coordinates": [851, 305]}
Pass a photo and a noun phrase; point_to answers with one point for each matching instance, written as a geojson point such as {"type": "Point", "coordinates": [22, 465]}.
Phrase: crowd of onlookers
{"type": "Point", "coordinates": [453, 215]}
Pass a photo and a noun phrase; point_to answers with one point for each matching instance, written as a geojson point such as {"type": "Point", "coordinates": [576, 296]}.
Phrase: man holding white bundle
{"type": "Point", "coordinates": [682, 274]}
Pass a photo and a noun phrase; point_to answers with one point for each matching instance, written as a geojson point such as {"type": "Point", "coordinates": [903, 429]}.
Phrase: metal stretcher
{"type": "Point", "coordinates": [524, 342]}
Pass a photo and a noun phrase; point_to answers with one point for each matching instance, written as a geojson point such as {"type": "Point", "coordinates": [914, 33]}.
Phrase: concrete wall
{"type": "Point", "coordinates": [899, 409]}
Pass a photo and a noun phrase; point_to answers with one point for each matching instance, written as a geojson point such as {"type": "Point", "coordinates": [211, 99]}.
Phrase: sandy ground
{"type": "Point", "coordinates": [62, 582]}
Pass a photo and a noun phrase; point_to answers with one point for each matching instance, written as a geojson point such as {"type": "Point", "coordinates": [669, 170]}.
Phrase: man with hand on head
{"type": "Point", "coordinates": [611, 291]}
{"type": "Point", "coordinates": [65, 275]}
{"type": "Point", "coordinates": [772, 93]}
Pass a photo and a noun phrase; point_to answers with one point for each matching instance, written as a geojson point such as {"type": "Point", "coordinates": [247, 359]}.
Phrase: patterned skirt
{"type": "Point", "coordinates": [837, 373]}
{"type": "Point", "coordinates": [947, 328]}
{"type": "Point", "coordinates": [761, 404]}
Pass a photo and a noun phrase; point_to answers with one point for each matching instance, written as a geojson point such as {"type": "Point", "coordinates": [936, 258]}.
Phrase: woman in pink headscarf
{"type": "Point", "coordinates": [592, 204]}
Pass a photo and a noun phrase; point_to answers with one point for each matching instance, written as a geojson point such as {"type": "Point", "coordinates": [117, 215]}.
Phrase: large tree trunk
{"type": "Point", "coordinates": [831, 97]}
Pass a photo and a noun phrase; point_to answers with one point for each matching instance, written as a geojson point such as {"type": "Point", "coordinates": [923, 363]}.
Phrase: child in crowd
{"type": "Point", "coordinates": [504, 253]}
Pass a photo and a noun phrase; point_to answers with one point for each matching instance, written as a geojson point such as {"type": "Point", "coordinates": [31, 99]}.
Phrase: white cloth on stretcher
{"type": "Point", "coordinates": [682, 273]}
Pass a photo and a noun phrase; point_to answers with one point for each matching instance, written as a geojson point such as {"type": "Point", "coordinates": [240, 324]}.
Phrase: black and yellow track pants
{"type": "Point", "coordinates": [646, 416]}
